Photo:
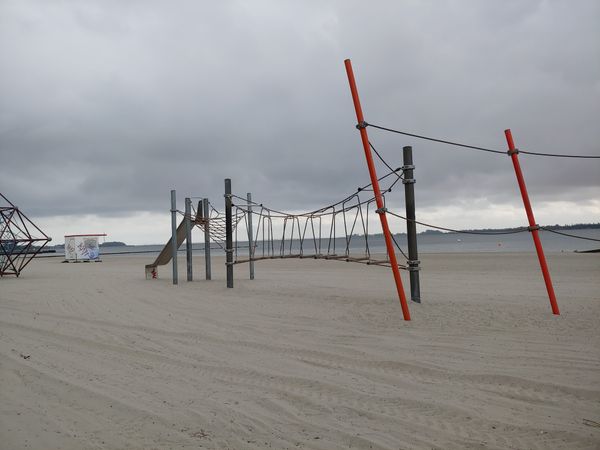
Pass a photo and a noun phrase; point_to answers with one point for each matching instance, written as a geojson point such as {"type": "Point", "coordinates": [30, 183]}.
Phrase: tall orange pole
{"type": "Point", "coordinates": [533, 227]}
{"type": "Point", "coordinates": [378, 197]}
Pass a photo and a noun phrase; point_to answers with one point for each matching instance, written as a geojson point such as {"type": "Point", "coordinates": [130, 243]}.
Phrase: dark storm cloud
{"type": "Point", "coordinates": [108, 105]}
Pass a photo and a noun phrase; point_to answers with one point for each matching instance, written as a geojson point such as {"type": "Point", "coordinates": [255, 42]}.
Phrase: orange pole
{"type": "Point", "coordinates": [378, 197]}
{"type": "Point", "coordinates": [533, 227]}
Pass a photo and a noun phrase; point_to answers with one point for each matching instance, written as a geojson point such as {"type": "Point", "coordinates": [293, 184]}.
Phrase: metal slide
{"type": "Point", "coordinates": [164, 257]}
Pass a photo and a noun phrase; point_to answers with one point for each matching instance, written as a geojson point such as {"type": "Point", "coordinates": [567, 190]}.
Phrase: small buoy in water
{"type": "Point", "coordinates": [459, 240]}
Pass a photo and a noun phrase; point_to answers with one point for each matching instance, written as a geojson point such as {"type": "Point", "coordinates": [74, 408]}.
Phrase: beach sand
{"type": "Point", "coordinates": [310, 354]}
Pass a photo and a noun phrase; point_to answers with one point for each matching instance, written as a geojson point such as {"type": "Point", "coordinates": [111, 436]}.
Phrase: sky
{"type": "Point", "coordinates": [105, 106]}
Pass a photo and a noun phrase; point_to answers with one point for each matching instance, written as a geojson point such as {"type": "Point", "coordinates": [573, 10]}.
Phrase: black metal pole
{"type": "Point", "coordinates": [411, 226]}
{"type": "Point", "coordinates": [250, 233]}
{"type": "Point", "coordinates": [188, 238]}
{"type": "Point", "coordinates": [174, 234]}
{"type": "Point", "coordinates": [228, 233]}
{"type": "Point", "coordinates": [205, 213]}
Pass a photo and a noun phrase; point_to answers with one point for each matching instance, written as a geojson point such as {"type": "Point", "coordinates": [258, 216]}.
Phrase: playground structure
{"type": "Point", "coordinates": [248, 231]}
{"type": "Point", "coordinates": [314, 234]}
{"type": "Point", "coordinates": [20, 239]}
{"type": "Point", "coordinates": [207, 218]}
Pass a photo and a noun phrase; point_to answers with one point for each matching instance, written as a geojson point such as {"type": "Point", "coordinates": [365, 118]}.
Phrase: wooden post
{"type": "Point", "coordinates": [250, 241]}
{"type": "Point", "coordinates": [411, 227]}
{"type": "Point", "coordinates": [174, 234]}
{"type": "Point", "coordinates": [206, 216]}
{"type": "Point", "coordinates": [228, 233]}
{"type": "Point", "coordinates": [188, 238]}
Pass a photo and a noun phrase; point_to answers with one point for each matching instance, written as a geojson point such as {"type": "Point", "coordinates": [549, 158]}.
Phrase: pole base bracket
{"type": "Point", "coordinates": [413, 265]}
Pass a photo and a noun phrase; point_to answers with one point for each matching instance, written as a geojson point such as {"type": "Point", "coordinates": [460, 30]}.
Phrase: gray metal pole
{"type": "Point", "coordinates": [188, 238]}
{"type": "Point", "coordinates": [411, 226]}
{"type": "Point", "coordinates": [228, 233]}
{"type": "Point", "coordinates": [250, 243]}
{"type": "Point", "coordinates": [205, 216]}
{"type": "Point", "coordinates": [174, 234]}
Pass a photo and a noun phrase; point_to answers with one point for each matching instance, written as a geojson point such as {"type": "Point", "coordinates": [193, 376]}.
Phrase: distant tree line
{"type": "Point", "coordinates": [576, 226]}
{"type": "Point", "coordinates": [113, 244]}
{"type": "Point", "coordinates": [104, 244]}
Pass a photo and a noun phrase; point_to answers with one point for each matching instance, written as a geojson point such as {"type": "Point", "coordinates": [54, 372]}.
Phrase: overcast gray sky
{"type": "Point", "coordinates": [107, 105]}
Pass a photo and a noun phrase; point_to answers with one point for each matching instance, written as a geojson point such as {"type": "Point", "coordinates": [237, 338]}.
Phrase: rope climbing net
{"type": "Point", "coordinates": [339, 231]}
{"type": "Point", "coordinates": [214, 224]}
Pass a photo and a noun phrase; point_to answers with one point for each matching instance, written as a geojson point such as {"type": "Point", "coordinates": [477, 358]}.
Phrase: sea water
{"type": "Point", "coordinates": [427, 243]}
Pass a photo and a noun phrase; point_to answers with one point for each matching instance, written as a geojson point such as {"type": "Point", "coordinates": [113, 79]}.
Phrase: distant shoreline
{"type": "Point", "coordinates": [429, 232]}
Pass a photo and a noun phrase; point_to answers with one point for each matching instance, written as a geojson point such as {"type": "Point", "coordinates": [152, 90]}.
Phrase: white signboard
{"type": "Point", "coordinates": [82, 247]}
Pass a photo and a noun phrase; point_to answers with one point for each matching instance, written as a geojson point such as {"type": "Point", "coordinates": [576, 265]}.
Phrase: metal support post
{"type": "Point", "coordinates": [376, 190]}
{"type": "Point", "coordinates": [411, 226]}
{"type": "Point", "coordinates": [228, 233]}
{"type": "Point", "coordinates": [174, 234]}
{"type": "Point", "coordinates": [250, 242]}
{"type": "Point", "coordinates": [533, 227]}
{"type": "Point", "coordinates": [205, 216]}
{"type": "Point", "coordinates": [188, 238]}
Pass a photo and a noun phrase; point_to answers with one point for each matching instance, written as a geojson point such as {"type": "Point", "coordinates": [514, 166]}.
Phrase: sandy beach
{"type": "Point", "coordinates": [310, 354]}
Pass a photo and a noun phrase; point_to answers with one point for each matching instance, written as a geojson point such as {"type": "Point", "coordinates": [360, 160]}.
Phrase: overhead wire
{"type": "Point", "coordinates": [569, 235]}
{"type": "Point", "coordinates": [489, 233]}
{"type": "Point", "coordinates": [475, 147]}
{"type": "Point", "coordinates": [520, 230]}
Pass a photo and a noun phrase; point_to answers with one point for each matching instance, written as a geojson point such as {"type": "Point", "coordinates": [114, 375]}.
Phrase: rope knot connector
{"type": "Point", "coordinates": [514, 151]}
{"type": "Point", "coordinates": [361, 125]}
{"type": "Point", "coordinates": [382, 210]}
{"type": "Point", "coordinates": [533, 227]}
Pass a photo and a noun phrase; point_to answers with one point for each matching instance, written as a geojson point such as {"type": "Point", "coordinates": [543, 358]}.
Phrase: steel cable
{"type": "Point", "coordinates": [489, 233]}
{"type": "Point", "coordinates": [569, 235]}
{"type": "Point", "coordinates": [475, 147]}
